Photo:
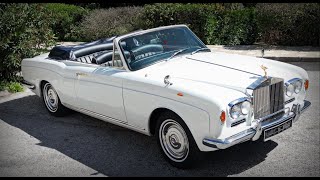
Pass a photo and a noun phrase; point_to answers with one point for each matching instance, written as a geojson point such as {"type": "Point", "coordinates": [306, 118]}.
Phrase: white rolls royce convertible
{"type": "Point", "coordinates": [165, 82]}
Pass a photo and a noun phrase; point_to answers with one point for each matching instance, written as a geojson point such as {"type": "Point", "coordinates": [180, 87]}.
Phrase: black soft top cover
{"type": "Point", "coordinates": [73, 52]}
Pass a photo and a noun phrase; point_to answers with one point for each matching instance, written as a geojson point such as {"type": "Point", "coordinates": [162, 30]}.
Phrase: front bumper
{"type": "Point", "coordinates": [255, 132]}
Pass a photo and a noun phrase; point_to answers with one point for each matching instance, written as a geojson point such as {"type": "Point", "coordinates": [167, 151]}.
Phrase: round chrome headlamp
{"type": "Point", "coordinates": [235, 111]}
{"type": "Point", "coordinates": [245, 107]}
{"type": "Point", "coordinates": [289, 90]}
{"type": "Point", "coordinates": [240, 107]}
{"type": "Point", "coordinates": [293, 86]}
{"type": "Point", "coordinates": [297, 86]}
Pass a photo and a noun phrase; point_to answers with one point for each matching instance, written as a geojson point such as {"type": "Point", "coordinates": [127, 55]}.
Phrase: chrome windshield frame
{"type": "Point", "coordinates": [117, 40]}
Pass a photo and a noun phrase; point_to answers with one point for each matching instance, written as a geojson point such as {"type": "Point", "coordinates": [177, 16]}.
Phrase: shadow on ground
{"type": "Point", "coordinates": [116, 151]}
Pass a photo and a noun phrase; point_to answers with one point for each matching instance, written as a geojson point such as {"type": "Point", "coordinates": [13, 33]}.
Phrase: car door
{"type": "Point", "coordinates": [99, 90]}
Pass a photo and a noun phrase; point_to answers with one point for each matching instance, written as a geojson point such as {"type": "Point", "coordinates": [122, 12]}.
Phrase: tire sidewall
{"type": "Point", "coordinates": [61, 110]}
{"type": "Point", "coordinates": [194, 153]}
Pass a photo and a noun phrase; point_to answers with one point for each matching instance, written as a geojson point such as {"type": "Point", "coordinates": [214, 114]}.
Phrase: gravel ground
{"type": "Point", "coordinates": [33, 143]}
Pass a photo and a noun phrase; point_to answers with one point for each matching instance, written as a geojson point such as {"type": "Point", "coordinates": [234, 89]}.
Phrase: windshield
{"type": "Point", "coordinates": [146, 49]}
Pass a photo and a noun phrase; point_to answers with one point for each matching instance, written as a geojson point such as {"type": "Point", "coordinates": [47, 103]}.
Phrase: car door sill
{"type": "Point", "coordinates": [107, 119]}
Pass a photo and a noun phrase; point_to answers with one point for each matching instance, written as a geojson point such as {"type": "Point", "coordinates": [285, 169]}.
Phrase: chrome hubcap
{"type": "Point", "coordinates": [50, 97]}
{"type": "Point", "coordinates": [174, 140]}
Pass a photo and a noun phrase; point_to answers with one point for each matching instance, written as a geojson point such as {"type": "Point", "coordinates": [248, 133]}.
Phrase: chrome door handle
{"type": "Point", "coordinates": [81, 74]}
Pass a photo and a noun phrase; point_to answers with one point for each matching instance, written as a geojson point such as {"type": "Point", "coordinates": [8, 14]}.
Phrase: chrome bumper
{"type": "Point", "coordinates": [254, 133]}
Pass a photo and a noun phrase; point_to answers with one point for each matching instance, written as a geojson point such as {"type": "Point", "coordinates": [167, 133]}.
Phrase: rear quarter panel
{"type": "Point", "coordinates": [37, 69]}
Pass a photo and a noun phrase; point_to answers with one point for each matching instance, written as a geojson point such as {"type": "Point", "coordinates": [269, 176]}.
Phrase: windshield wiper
{"type": "Point", "coordinates": [178, 52]}
{"type": "Point", "coordinates": [201, 49]}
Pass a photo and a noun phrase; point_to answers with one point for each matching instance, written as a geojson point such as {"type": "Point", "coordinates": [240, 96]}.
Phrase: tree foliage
{"type": "Point", "coordinates": [24, 32]}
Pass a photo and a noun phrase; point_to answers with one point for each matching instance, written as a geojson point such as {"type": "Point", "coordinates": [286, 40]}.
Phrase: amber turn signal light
{"type": "Point", "coordinates": [180, 94]}
{"type": "Point", "coordinates": [306, 84]}
{"type": "Point", "coordinates": [223, 116]}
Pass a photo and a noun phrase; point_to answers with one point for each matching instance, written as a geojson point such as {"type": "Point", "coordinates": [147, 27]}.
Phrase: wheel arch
{"type": "Point", "coordinates": [196, 120]}
{"type": "Point", "coordinates": [41, 84]}
{"type": "Point", "coordinates": [154, 117]}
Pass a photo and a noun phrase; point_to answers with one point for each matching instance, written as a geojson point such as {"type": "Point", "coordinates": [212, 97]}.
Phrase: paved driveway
{"type": "Point", "coordinates": [33, 143]}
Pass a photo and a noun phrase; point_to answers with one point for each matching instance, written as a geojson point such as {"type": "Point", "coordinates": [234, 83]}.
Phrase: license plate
{"type": "Point", "coordinates": [277, 129]}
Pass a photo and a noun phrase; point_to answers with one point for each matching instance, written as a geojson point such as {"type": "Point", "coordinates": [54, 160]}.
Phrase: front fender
{"type": "Point", "coordinates": [138, 114]}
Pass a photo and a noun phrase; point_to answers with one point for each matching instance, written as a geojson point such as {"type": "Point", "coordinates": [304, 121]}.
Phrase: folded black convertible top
{"type": "Point", "coordinates": [73, 52]}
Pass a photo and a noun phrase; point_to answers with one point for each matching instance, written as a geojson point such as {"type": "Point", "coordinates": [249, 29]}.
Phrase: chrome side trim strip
{"type": "Point", "coordinates": [108, 119]}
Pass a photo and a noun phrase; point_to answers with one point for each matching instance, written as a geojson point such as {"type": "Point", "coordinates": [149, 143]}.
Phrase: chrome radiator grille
{"type": "Point", "coordinates": [268, 99]}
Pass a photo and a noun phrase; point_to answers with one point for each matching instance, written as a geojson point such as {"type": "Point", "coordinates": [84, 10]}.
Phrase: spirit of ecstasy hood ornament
{"type": "Point", "coordinates": [264, 70]}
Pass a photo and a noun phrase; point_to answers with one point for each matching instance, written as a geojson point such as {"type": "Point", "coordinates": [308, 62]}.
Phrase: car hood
{"type": "Point", "coordinates": [221, 69]}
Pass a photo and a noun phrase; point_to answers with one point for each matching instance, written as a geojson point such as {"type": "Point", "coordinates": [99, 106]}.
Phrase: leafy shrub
{"type": "Point", "coordinates": [102, 23]}
{"type": "Point", "coordinates": [66, 19]}
{"type": "Point", "coordinates": [213, 23]}
{"type": "Point", "coordinates": [2, 5]}
{"type": "Point", "coordinates": [12, 87]}
{"type": "Point", "coordinates": [289, 24]}
{"type": "Point", "coordinates": [218, 23]}
{"type": "Point", "coordinates": [24, 32]}
{"type": "Point", "coordinates": [196, 16]}
{"type": "Point", "coordinates": [3, 85]}
{"type": "Point", "coordinates": [233, 27]}
{"type": "Point", "coordinates": [233, 23]}
{"type": "Point", "coordinates": [15, 87]}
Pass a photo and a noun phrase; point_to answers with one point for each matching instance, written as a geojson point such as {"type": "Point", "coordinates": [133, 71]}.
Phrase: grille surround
{"type": "Point", "coordinates": [267, 97]}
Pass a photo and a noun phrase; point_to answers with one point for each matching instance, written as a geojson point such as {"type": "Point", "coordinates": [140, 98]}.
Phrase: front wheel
{"type": "Point", "coordinates": [52, 101]}
{"type": "Point", "coordinates": [176, 141]}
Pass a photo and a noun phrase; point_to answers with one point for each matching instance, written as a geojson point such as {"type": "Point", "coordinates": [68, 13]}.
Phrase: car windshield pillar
{"type": "Point", "coordinates": [118, 60]}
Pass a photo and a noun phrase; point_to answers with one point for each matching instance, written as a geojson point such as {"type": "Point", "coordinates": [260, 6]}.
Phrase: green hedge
{"type": "Point", "coordinates": [102, 23]}
{"type": "Point", "coordinates": [66, 19]}
{"type": "Point", "coordinates": [213, 23]}
{"type": "Point", "coordinates": [289, 24]}
{"type": "Point", "coordinates": [232, 28]}
{"type": "Point", "coordinates": [196, 16]}
{"type": "Point", "coordinates": [24, 32]}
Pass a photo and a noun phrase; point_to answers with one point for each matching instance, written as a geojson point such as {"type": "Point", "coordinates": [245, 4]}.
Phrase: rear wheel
{"type": "Point", "coordinates": [52, 101]}
{"type": "Point", "coordinates": [176, 141]}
